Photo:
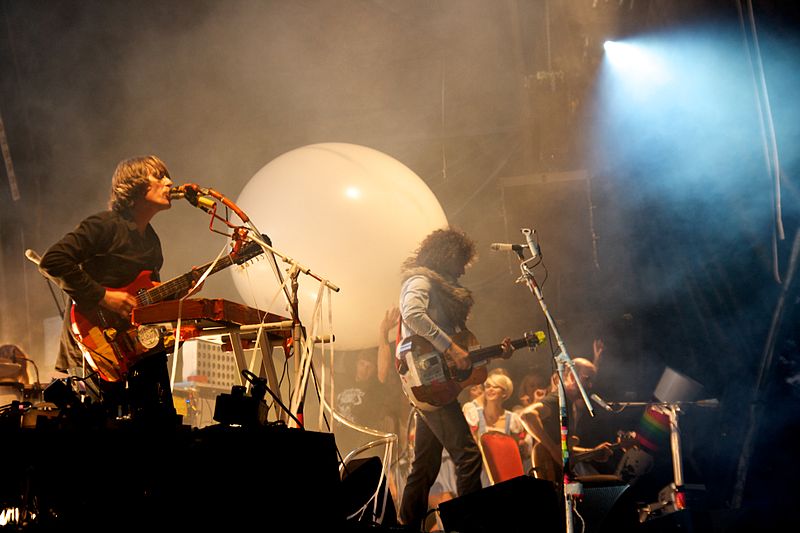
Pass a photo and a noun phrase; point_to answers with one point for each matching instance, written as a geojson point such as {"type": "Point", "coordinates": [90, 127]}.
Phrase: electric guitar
{"type": "Point", "coordinates": [112, 343]}
{"type": "Point", "coordinates": [431, 380]}
{"type": "Point", "coordinates": [545, 467]}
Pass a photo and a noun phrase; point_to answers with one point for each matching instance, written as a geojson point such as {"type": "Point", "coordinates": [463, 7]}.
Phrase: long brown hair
{"type": "Point", "coordinates": [130, 181]}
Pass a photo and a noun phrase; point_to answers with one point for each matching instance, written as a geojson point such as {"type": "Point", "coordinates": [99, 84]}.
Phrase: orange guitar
{"type": "Point", "coordinates": [430, 380]}
{"type": "Point", "coordinates": [111, 343]}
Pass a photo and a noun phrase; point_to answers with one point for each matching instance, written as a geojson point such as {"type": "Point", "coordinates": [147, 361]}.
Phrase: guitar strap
{"type": "Point", "coordinates": [399, 330]}
{"type": "Point", "coordinates": [397, 361]}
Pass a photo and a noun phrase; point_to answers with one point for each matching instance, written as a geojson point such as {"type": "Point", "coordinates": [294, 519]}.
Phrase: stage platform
{"type": "Point", "coordinates": [129, 476]}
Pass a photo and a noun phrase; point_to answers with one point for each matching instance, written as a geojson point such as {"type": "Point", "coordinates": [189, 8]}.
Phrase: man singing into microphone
{"type": "Point", "coordinates": [107, 250]}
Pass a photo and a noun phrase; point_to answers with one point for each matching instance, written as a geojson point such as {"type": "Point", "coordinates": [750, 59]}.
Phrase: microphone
{"type": "Point", "coordinates": [194, 195]}
{"type": "Point", "coordinates": [599, 401]}
{"type": "Point", "coordinates": [176, 193]}
{"type": "Point", "coordinates": [33, 257]}
{"type": "Point", "coordinates": [533, 246]}
{"type": "Point", "coordinates": [505, 247]}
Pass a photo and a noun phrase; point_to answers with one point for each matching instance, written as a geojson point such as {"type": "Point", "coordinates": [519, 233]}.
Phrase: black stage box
{"type": "Point", "coordinates": [527, 504]}
{"type": "Point", "coordinates": [133, 477]}
{"type": "Point", "coordinates": [521, 504]}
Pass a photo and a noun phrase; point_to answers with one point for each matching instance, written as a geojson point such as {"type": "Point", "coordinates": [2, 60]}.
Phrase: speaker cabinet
{"type": "Point", "coordinates": [520, 504]}
{"type": "Point", "coordinates": [605, 509]}
{"type": "Point", "coordinates": [532, 505]}
{"type": "Point", "coordinates": [133, 478]}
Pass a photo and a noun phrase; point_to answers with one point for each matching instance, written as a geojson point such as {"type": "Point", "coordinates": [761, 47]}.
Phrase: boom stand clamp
{"type": "Point", "coordinates": [571, 488]}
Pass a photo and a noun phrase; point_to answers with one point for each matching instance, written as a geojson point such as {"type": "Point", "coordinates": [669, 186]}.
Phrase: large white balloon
{"type": "Point", "coordinates": [349, 213]}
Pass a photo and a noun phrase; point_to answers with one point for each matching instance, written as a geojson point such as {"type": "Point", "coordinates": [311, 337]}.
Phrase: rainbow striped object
{"type": "Point", "coordinates": [653, 428]}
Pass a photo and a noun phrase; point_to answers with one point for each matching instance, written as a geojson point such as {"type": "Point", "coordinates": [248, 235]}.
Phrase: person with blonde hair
{"type": "Point", "coordinates": [492, 416]}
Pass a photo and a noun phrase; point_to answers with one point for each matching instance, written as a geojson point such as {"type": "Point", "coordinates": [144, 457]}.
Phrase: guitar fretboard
{"type": "Point", "coordinates": [479, 355]}
{"type": "Point", "coordinates": [179, 284]}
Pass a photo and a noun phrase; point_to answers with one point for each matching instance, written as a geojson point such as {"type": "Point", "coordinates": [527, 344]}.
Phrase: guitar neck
{"type": "Point", "coordinates": [482, 354]}
{"type": "Point", "coordinates": [586, 456]}
{"type": "Point", "coordinates": [591, 454]}
{"type": "Point", "coordinates": [179, 284]}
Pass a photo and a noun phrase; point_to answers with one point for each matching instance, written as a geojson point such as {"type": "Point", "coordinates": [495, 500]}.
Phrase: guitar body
{"type": "Point", "coordinates": [111, 343]}
{"type": "Point", "coordinates": [430, 380]}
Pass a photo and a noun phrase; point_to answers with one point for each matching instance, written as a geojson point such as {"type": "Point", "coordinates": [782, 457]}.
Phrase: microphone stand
{"type": "Point", "coordinates": [673, 494]}
{"type": "Point", "coordinates": [35, 258]}
{"type": "Point", "coordinates": [571, 489]}
{"type": "Point", "coordinates": [298, 333]}
{"type": "Point", "coordinates": [192, 192]}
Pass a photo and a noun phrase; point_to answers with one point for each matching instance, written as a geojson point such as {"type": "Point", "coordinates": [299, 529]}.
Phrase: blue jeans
{"type": "Point", "coordinates": [445, 427]}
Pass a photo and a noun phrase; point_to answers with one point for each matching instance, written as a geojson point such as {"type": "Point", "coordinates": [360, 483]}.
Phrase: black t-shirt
{"type": "Point", "coordinates": [363, 402]}
{"type": "Point", "coordinates": [104, 250]}
{"type": "Point", "coordinates": [369, 403]}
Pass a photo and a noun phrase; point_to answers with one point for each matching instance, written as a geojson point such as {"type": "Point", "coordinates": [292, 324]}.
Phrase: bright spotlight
{"type": "Point", "coordinates": [624, 54]}
{"type": "Point", "coordinates": [635, 61]}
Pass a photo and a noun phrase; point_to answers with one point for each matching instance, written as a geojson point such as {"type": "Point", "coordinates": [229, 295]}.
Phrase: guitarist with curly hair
{"type": "Point", "coordinates": [434, 307]}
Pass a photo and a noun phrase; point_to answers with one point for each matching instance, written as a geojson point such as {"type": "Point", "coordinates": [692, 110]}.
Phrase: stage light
{"type": "Point", "coordinates": [635, 64]}
{"type": "Point", "coordinates": [625, 55]}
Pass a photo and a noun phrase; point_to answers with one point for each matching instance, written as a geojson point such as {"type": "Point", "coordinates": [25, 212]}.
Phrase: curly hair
{"type": "Point", "coordinates": [130, 181]}
{"type": "Point", "coordinates": [441, 248]}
